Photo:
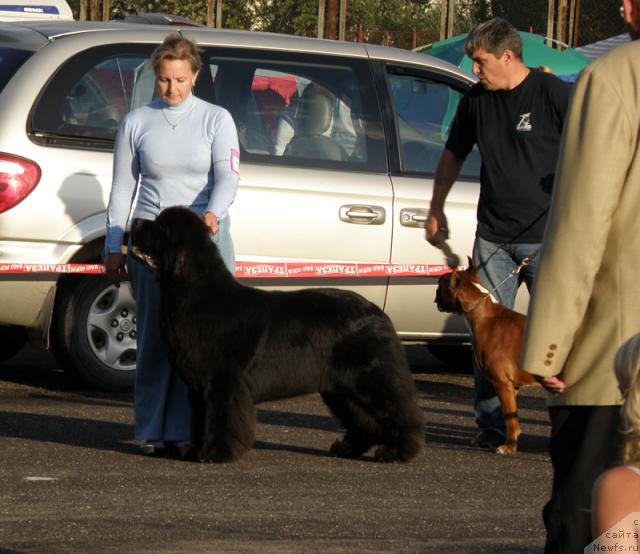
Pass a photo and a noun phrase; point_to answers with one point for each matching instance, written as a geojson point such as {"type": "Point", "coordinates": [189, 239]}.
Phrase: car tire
{"type": "Point", "coordinates": [456, 356]}
{"type": "Point", "coordinates": [94, 333]}
{"type": "Point", "coordinates": [12, 339]}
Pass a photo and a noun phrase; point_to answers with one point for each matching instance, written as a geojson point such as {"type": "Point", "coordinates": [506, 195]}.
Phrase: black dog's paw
{"type": "Point", "coordinates": [190, 453]}
{"type": "Point", "coordinates": [338, 450]}
{"type": "Point", "coordinates": [213, 459]}
{"type": "Point", "coordinates": [388, 455]}
{"type": "Point", "coordinates": [211, 456]}
{"type": "Point", "coordinates": [216, 455]}
{"type": "Point", "coordinates": [344, 449]}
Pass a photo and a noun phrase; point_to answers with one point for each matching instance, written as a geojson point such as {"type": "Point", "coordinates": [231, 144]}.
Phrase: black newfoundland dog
{"type": "Point", "coordinates": [236, 346]}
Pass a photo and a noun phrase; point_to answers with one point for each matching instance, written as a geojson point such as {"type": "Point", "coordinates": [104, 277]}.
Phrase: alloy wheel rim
{"type": "Point", "coordinates": [112, 327]}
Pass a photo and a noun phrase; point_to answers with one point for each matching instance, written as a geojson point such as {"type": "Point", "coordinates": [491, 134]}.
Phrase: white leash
{"type": "Point", "coordinates": [525, 262]}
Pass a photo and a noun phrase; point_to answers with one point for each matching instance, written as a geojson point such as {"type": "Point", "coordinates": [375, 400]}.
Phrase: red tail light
{"type": "Point", "coordinates": [18, 177]}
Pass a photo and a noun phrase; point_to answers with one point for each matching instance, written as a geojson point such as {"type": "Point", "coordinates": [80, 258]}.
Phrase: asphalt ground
{"type": "Point", "coordinates": [72, 480]}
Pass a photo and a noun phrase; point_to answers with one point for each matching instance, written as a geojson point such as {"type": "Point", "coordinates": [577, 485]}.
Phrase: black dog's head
{"type": "Point", "coordinates": [449, 294]}
{"type": "Point", "coordinates": [176, 245]}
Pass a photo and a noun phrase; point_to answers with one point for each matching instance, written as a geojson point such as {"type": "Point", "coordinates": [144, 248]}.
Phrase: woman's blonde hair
{"type": "Point", "coordinates": [627, 369]}
{"type": "Point", "coordinates": [176, 47]}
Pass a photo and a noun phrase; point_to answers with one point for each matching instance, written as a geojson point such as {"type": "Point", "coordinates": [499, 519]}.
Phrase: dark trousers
{"type": "Point", "coordinates": [585, 441]}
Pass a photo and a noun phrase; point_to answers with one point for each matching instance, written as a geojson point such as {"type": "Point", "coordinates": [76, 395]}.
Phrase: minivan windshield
{"type": "Point", "coordinates": [11, 59]}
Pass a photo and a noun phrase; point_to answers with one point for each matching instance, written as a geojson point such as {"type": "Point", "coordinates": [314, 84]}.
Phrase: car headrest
{"type": "Point", "coordinates": [315, 114]}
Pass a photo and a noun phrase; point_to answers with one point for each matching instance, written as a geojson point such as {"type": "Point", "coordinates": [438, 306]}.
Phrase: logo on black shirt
{"type": "Point", "coordinates": [525, 122]}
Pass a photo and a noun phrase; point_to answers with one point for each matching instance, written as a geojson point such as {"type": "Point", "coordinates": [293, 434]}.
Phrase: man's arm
{"type": "Point", "coordinates": [591, 175]}
{"type": "Point", "coordinates": [446, 174]}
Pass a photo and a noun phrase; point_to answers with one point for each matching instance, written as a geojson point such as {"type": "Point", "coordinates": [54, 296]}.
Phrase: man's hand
{"type": "Point", "coordinates": [446, 173]}
{"type": "Point", "coordinates": [115, 269]}
{"type": "Point", "coordinates": [211, 220]}
{"type": "Point", "coordinates": [552, 384]}
{"type": "Point", "coordinates": [437, 230]}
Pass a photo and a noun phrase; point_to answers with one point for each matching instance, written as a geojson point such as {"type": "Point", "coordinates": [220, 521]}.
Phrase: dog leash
{"type": "Point", "coordinates": [513, 273]}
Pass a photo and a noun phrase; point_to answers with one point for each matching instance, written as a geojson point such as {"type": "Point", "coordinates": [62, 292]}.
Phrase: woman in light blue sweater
{"type": "Point", "coordinates": [178, 150]}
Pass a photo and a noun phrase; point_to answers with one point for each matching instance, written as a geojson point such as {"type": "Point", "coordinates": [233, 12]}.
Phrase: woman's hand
{"type": "Point", "coordinates": [211, 220]}
{"type": "Point", "coordinates": [115, 269]}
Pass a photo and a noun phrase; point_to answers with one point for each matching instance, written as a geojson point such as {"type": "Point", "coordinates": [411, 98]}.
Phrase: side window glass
{"type": "Point", "coordinates": [92, 92]}
{"type": "Point", "coordinates": [105, 93]}
{"type": "Point", "coordinates": [305, 114]}
{"type": "Point", "coordinates": [424, 110]}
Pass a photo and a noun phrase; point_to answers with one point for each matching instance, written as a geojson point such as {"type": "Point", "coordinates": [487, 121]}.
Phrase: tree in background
{"type": "Point", "coordinates": [392, 21]}
{"type": "Point", "coordinates": [482, 11]}
{"type": "Point", "coordinates": [598, 19]}
{"type": "Point", "coordinates": [293, 17]}
{"type": "Point", "coordinates": [533, 18]}
{"type": "Point", "coordinates": [384, 21]}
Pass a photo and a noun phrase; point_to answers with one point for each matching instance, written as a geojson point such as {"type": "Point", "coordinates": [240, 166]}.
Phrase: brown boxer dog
{"type": "Point", "coordinates": [497, 335]}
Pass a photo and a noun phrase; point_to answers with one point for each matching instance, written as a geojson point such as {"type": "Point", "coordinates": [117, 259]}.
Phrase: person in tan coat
{"type": "Point", "coordinates": [586, 297]}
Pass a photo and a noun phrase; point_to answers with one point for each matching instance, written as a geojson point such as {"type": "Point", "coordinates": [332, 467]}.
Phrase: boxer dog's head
{"type": "Point", "coordinates": [456, 287]}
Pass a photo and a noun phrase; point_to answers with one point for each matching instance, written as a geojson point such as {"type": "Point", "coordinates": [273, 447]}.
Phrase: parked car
{"type": "Point", "coordinates": [156, 18]}
{"type": "Point", "coordinates": [27, 10]}
{"type": "Point", "coordinates": [348, 182]}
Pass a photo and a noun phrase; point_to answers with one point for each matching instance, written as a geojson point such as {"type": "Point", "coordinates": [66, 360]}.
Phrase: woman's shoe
{"type": "Point", "coordinates": [152, 448]}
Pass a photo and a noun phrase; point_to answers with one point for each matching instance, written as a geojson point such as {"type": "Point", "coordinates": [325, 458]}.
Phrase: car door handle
{"type": "Point", "coordinates": [413, 217]}
{"type": "Point", "coordinates": [363, 214]}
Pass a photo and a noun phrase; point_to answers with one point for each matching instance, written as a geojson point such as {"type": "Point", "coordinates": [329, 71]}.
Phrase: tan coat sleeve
{"type": "Point", "coordinates": [597, 148]}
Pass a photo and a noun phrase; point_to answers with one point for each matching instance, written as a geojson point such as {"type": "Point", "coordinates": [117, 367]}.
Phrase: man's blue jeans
{"type": "Point", "coordinates": [494, 262]}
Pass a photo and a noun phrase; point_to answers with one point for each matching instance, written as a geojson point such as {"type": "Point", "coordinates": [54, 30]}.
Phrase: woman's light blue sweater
{"type": "Point", "coordinates": [195, 164]}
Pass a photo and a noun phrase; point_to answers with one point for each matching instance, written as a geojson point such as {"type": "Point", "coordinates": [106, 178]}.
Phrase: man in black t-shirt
{"type": "Point", "coordinates": [515, 117]}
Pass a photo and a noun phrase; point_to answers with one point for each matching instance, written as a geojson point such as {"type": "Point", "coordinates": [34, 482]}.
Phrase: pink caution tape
{"type": "Point", "coordinates": [260, 270]}
{"type": "Point", "coordinates": [22, 269]}
{"type": "Point", "coordinates": [257, 270]}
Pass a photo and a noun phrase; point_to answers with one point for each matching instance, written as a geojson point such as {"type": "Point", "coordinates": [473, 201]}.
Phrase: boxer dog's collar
{"type": "Point", "coordinates": [525, 262]}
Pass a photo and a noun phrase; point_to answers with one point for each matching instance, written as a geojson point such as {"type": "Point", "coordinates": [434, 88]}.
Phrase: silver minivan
{"type": "Point", "coordinates": [34, 10]}
{"type": "Point", "coordinates": [339, 144]}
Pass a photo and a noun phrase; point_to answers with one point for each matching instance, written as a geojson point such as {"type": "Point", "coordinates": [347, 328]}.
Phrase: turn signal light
{"type": "Point", "coordinates": [18, 177]}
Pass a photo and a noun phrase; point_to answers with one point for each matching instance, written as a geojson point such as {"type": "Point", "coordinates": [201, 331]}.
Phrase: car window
{"type": "Point", "coordinates": [93, 91]}
{"type": "Point", "coordinates": [289, 108]}
{"type": "Point", "coordinates": [104, 94]}
{"type": "Point", "coordinates": [424, 110]}
{"type": "Point", "coordinates": [11, 59]}
{"type": "Point", "coordinates": [305, 111]}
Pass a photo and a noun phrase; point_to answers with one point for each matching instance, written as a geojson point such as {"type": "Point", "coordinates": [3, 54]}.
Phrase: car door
{"type": "Point", "coordinates": [421, 107]}
{"type": "Point", "coordinates": [314, 186]}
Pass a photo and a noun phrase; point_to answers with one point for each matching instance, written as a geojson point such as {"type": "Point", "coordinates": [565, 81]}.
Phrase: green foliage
{"type": "Point", "coordinates": [294, 17]}
{"type": "Point", "coordinates": [599, 19]}
{"type": "Point", "coordinates": [382, 21]}
{"type": "Point", "coordinates": [534, 18]}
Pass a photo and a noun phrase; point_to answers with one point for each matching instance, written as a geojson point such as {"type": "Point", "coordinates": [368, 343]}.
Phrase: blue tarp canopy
{"type": "Point", "coordinates": [596, 49]}
{"type": "Point", "coordinates": [566, 64]}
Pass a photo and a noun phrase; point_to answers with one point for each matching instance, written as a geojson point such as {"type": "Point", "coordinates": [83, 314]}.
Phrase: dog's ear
{"type": "Point", "coordinates": [181, 264]}
{"type": "Point", "coordinates": [454, 281]}
{"type": "Point", "coordinates": [175, 260]}
{"type": "Point", "coordinates": [471, 270]}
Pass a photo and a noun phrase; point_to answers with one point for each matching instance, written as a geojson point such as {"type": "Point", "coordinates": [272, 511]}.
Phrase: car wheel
{"type": "Point", "coordinates": [95, 332]}
{"type": "Point", "coordinates": [12, 339]}
{"type": "Point", "coordinates": [457, 356]}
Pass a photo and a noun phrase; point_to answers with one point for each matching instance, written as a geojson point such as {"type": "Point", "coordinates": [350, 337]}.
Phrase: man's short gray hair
{"type": "Point", "coordinates": [494, 36]}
